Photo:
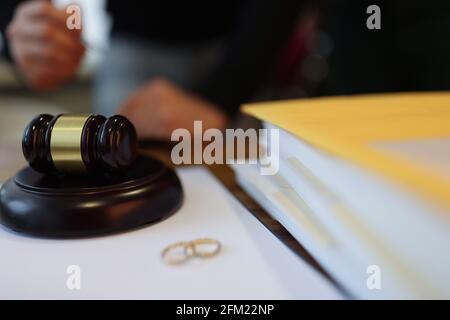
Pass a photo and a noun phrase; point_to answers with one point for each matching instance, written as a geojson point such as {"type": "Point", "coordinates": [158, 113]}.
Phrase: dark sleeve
{"type": "Point", "coordinates": [263, 28]}
{"type": "Point", "coordinates": [7, 8]}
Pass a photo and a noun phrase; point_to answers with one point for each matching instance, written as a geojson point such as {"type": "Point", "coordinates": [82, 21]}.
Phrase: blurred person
{"type": "Point", "coordinates": [169, 62]}
{"type": "Point", "coordinates": [172, 63]}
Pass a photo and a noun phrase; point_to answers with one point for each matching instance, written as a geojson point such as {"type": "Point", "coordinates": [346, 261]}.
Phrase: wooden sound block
{"type": "Point", "coordinates": [70, 206]}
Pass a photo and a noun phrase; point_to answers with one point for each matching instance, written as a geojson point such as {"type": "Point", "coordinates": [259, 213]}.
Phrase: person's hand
{"type": "Point", "coordinates": [45, 51]}
{"type": "Point", "coordinates": [159, 107]}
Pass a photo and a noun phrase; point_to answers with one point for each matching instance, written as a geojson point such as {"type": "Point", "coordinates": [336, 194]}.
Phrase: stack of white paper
{"type": "Point", "coordinates": [374, 237]}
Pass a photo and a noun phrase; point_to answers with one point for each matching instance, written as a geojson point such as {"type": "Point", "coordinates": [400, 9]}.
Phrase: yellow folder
{"type": "Point", "coordinates": [352, 126]}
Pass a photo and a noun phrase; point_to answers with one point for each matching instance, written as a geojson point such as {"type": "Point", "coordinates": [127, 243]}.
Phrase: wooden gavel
{"type": "Point", "coordinates": [79, 144]}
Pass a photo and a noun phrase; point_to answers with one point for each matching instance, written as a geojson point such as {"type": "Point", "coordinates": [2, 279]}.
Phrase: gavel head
{"type": "Point", "coordinates": [77, 144]}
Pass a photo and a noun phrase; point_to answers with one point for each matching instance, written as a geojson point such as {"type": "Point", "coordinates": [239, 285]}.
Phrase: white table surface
{"type": "Point", "coordinates": [253, 264]}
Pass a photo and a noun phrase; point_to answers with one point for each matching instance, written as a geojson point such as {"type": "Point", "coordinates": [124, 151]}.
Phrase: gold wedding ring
{"type": "Point", "coordinates": [179, 252]}
{"type": "Point", "coordinates": [205, 247]}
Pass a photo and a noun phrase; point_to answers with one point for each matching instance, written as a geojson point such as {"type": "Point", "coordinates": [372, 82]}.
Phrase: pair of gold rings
{"type": "Point", "coordinates": [179, 252]}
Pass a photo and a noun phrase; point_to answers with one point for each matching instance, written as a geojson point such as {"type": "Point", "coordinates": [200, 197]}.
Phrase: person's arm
{"type": "Point", "coordinates": [262, 30]}
{"type": "Point", "coordinates": [159, 107]}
